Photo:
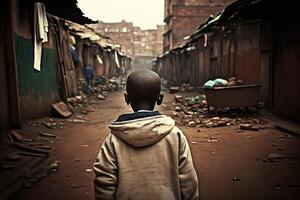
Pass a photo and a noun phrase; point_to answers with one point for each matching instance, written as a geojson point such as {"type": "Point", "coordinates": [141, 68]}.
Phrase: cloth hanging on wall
{"type": "Point", "coordinates": [99, 60]}
{"type": "Point", "coordinates": [117, 60]}
{"type": "Point", "coordinates": [40, 33]}
{"type": "Point", "coordinates": [75, 56]}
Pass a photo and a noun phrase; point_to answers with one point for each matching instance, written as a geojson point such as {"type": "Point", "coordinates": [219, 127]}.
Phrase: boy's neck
{"type": "Point", "coordinates": [144, 107]}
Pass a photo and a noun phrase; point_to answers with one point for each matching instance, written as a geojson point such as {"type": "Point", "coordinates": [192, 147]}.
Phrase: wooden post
{"type": "Point", "coordinates": [12, 69]}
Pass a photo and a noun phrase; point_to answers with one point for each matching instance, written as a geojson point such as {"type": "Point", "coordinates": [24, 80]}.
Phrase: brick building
{"type": "Point", "coordinates": [120, 32]}
{"type": "Point", "coordinates": [159, 39]}
{"type": "Point", "coordinates": [182, 17]}
{"type": "Point", "coordinates": [133, 40]}
{"type": "Point", "coordinates": [148, 42]}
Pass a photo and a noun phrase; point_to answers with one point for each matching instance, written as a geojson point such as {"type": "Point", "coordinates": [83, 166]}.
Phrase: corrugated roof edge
{"type": "Point", "coordinates": [67, 9]}
{"type": "Point", "coordinates": [227, 13]}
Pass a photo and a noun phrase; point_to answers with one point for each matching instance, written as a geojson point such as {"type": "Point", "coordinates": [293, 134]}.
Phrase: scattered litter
{"type": "Point", "coordinates": [236, 179]}
{"type": "Point", "coordinates": [212, 139]}
{"type": "Point", "coordinates": [50, 125]}
{"type": "Point", "coordinates": [54, 166]}
{"type": "Point", "coordinates": [245, 126]}
{"type": "Point", "coordinates": [79, 98]}
{"type": "Point", "coordinates": [88, 170]}
{"type": "Point", "coordinates": [76, 120]}
{"type": "Point", "coordinates": [194, 142]}
{"type": "Point", "coordinates": [275, 157]}
{"type": "Point", "coordinates": [174, 89]}
{"type": "Point", "coordinates": [255, 128]}
{"type": "Point", "coordinates": [84, 145]}
{"type": "Point", "coordinates": [194, 108]}
{"type": "Point", "coordinates": [62, 109]}
{"type": "Point", "coordinates": [42, 133]}
{"type": "Point", "coordinates": [277, 186]}
{"type": "Point", "coordinates": [192, 124]}
{"type": "Point", "coordinates": [177, 108]}
{"type": "Point", "coordinates": [85, 112]}
{"type": "Point", "coordinates": [90, 109]}
{"type": "Point", "coordinates": [101, 97]}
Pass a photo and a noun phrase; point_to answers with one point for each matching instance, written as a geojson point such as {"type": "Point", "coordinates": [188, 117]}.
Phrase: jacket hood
{"type": "Point", "coordinates": [143, 131]}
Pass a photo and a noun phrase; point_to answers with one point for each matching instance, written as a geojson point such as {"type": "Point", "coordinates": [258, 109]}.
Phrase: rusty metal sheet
{"type": "Point", "coordinates": [235, 96]}
{"type": "Point", "coordinates": [62, 109]}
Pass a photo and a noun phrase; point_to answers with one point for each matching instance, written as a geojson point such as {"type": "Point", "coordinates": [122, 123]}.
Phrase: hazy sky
{"type": "Point", "coordinates": [144, 13]}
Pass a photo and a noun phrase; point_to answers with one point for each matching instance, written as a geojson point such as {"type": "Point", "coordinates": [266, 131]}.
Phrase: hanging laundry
{"type": "Point", "coordinates": [40, 33]}
{"type": "Point", "coordinates": [99, 60]}
{"type": "Point", "coordinates": [75, 56]}
{"type": "Point", "coordinates": [117, 60]}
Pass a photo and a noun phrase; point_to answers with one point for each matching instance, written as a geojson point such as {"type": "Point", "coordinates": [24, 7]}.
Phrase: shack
{"type": "Point", "coordinates": [250, 39]}
{"type": "Point", "coordinates": [36, 65]}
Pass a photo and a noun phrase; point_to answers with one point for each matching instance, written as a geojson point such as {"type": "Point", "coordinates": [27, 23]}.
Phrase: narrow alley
{"type": "Point", "coordinates": [231, 164]}
{"type": "Point", "coordinates": [224, 72]}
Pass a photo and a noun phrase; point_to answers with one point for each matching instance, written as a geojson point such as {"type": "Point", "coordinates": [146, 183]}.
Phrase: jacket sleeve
{"type": "Point", "coordinates": [187, 175]}
{"type": "Point", "coordinates": [106, 169]}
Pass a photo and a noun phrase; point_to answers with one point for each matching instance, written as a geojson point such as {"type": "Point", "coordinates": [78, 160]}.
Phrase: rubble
{"type": "Point", "coordinates": [42, 133]}
{"type": "Point", "coordinates": [54, 166]}
{"type": "Point", "coordinates": [174, 89]}
{"type": "Point", "coordinates": [245, 126]}
{"type": "Point", "coordinates": [192, 124]}
{"type": "Point", "coordinates": [62, 109]}
{"type": "Point", "coordinates": [50, 125]}
{"type": "Point", "coordinates": [101, 97]}
{"type": "Point", "coordinates": [76, 120]}
{"type": "Point", "coordinates": [192, 112]}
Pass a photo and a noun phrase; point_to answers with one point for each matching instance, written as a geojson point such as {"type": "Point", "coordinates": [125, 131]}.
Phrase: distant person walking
{"type": "Point", "coordinates": [89, 76]}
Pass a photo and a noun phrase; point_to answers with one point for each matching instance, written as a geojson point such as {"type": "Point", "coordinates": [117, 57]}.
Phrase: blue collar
{"type": "Point", "coordinates": [137, 115]}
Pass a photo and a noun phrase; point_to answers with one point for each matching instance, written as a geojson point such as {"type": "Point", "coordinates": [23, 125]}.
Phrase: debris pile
{"type": "Point", "coordinates": [219, 82]}
{"type": "Point", "coordinates": [192, 112]}
{"type": "Point", "coordinates": [185, 87]}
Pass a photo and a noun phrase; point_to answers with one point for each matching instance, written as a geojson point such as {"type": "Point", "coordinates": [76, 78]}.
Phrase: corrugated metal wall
{"type": "Point", "coordinates": [286, 88]}
{"type": "Point", "coordinates": [37, 89]}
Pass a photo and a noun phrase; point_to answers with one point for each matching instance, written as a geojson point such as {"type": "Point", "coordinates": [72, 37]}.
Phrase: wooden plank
{"type": "Point", "coordinates": [62, 109]}
{"type": "Point", "coordinates": [29, 148]}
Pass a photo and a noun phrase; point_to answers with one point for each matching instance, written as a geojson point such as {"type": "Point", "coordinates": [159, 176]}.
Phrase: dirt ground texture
{"type": "Point", "coordinates": [229, 164]}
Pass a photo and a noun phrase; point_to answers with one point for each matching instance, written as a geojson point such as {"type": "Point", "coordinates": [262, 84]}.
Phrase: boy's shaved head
{"type": "Point", "coordinates": [143, 89]}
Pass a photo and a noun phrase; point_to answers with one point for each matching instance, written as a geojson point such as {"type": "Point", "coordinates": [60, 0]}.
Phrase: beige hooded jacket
{"type": "Point", "coordinates": [146, 158]}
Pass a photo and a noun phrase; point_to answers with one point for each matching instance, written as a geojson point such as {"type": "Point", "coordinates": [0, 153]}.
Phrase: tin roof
{"type": "Point", "coordinates": [67, 9]}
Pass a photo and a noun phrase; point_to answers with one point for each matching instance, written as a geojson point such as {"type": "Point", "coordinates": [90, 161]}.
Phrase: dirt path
{"type": "Point", "coordinates": [230, 164]}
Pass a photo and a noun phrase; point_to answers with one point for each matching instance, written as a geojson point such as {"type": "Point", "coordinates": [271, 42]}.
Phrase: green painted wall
{"type": "Point", "coordinates": [37, 89]}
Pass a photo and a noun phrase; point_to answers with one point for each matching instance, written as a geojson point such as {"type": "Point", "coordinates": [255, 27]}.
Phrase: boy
{"type": "Point", "coordinates": [145, 156]}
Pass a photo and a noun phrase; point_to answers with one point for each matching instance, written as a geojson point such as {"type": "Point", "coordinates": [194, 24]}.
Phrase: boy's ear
{"type": "Point", "coordinates": [126, 98]}
{"type": "Point", "coordinates": [160, 99]}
